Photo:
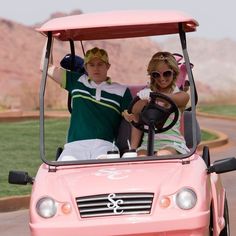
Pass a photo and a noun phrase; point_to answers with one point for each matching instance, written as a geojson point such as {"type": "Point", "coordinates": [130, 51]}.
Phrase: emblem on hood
{"type": "Point", "coordinates": [114, 204]}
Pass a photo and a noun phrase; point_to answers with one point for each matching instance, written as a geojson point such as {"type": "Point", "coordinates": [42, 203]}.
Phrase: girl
{"type": "Point", "coordinates": [163, 70]}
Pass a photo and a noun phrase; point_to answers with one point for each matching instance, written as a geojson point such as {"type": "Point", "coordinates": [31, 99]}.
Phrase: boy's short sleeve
{"type": "Point", "coordinates": [127, 99]}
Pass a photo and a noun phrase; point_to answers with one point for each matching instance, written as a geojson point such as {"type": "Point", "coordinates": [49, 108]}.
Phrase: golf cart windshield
{"type": "Point", "coordinates": [117, 25]}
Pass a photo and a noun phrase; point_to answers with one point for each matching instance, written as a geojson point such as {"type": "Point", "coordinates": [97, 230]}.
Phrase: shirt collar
{"type": "Point", "coordinates": [108, 81]}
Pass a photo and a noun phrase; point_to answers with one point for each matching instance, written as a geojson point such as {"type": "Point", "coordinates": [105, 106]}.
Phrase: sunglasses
{"type": "Point", "coordinates": [158, 75]}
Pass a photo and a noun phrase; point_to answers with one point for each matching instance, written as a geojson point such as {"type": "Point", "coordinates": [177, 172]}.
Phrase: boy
{"type": "Point", "coordinates": [97, 106]}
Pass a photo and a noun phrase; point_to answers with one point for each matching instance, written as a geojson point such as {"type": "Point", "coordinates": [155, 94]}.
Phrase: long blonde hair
{"type": "Point", "coordinates": [168, 59]}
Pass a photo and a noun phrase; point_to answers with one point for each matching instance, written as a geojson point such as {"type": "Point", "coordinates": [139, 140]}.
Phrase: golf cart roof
{"type": "Point", "coordinates": [118, 24]}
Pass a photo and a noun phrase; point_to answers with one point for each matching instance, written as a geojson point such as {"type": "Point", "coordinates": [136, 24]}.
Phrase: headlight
{"type": "Point", "coordinates": [46, 207]}
{"type": "Point", "coordinates": [186, 199]}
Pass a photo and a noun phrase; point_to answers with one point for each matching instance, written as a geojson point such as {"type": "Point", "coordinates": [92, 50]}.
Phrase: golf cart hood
{"type": "Point", "coordinates": [126, 177]}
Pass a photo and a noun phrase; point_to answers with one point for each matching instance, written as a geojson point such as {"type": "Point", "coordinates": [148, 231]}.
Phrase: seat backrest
{"type": "Point", "coordinates": [124, 134]}
{"type": "Point", "coordinates": [187, 129]}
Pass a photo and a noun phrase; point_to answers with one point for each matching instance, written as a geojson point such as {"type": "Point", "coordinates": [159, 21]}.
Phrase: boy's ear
{"type": "Point", "coordinates": [85, 67]}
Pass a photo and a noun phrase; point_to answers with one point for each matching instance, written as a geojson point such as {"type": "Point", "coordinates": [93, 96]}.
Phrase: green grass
{"type": "Point", "coordinates": [19, 149]}
{"type": "Point", "coordinates": [225, 110]}
{"type": "Point", "coordinates": [207, 136]}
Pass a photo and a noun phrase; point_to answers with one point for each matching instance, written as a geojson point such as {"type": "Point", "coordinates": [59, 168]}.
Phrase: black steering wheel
{"type": "Point", "coordinates": [155, 113]}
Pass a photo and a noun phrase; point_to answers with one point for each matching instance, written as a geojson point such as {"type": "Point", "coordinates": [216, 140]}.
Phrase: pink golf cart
{"type": "Point", "coordinates": [123, 194]}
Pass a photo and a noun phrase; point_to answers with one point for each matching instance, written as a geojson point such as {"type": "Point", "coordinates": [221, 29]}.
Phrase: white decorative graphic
{"type": "Point", "coordinates": [114, 204]}
{"type": "Point", "coordinates": [113, 173]}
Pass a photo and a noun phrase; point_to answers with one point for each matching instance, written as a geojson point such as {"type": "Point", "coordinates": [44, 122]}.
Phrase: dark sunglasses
{"type": "Point", "coordinates": [158, 75]}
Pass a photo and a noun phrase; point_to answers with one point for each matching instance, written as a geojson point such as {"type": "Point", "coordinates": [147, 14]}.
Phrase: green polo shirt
{"type": "Point", "coordinates": [96, 108]}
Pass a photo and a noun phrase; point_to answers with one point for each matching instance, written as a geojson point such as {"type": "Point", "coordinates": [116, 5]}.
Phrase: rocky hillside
{"type": "Point", "coordinates": [214, 67]}
{"type": "Point", "coordinates": [20, 53]}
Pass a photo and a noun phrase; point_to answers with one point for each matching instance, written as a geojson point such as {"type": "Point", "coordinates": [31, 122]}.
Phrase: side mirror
{"type": "Point", "coordinates": [223, 165]}
{"type": "Point", "coordinates": [19, 177]}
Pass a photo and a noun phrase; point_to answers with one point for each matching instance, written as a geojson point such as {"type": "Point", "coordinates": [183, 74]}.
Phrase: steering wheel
{"type": "Point", "coordinates": [156, 113]}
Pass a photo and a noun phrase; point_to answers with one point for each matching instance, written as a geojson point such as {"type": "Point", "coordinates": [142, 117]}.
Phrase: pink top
{"type": "Point", "coordinates": [118, 24]}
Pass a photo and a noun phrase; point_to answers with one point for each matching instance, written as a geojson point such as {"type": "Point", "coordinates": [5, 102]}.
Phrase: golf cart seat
{"type": "Point", "coordinates": [124, 132]}
{"type": "Point", "coordinates": [187, 129]}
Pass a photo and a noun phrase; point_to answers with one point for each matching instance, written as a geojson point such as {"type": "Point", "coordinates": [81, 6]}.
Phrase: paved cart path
{"type": "Point", "coordinates": [229, 150]}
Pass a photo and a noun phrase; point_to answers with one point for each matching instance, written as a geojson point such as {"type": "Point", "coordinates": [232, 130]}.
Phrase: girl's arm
{"type": "Point", "coordinates": [180, 98]}
{"type": "Point", "coordinates": [136, 135]}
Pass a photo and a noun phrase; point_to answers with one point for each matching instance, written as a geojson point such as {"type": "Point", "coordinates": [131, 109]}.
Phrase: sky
{"type": "Point", "coordinates": [216, 17]}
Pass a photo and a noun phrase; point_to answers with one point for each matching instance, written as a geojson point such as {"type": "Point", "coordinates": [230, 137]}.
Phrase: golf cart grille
{"type": "Point", "coordinates": [115, 204]}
